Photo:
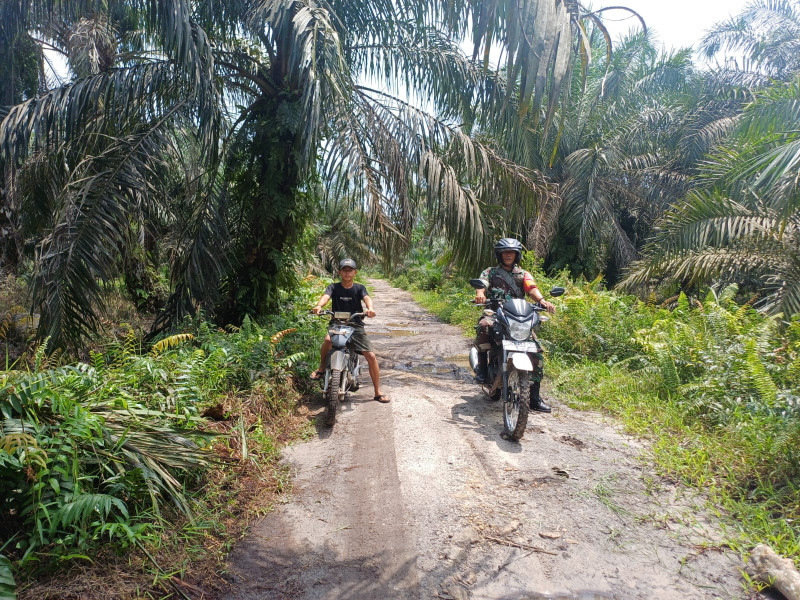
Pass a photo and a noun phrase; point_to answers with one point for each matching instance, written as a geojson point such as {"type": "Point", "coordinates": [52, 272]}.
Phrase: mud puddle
{"type": "Point", "coordinates": [396, 332]}
{"type": "Point", "coordinates": [454, 366]}
{"type": "Point", "coordinates": [588, 595]}
{"type": "Point", "coordinates": [459, 360]}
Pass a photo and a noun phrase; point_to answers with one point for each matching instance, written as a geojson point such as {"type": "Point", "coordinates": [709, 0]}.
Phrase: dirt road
{"type": "Point", "coordinates": [423, 498]}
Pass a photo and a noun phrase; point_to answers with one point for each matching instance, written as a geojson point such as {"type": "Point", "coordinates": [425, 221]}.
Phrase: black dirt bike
{"type": "Point", "coordinates": [342, 365]}
{"type": "Point", "coordinates": [514, 350]}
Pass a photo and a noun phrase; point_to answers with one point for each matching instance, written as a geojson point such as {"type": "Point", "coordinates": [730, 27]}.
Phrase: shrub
{"type": "Point", "coordinates": [93, 452]}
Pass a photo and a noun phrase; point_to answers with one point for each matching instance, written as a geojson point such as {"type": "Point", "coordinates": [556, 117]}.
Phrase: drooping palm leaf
{"type": "Point", "coordinates": [766, 32]}
{"type": "Point", "coordinates": [710, 235]}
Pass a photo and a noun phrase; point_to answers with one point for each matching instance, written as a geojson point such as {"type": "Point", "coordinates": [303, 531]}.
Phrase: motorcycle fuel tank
{"type": "Point", "coordinates": [340, 335]}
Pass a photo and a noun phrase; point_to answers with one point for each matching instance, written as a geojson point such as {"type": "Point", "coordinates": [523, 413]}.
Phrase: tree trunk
{"type": "Point", "coordinates": [141, 282]}
{"type": "Point", "coordinates": [775, 571]}
{"type": "Point", "coordinates": [11, 242]}
{"type": "Point", "coordinates": [271, 218]}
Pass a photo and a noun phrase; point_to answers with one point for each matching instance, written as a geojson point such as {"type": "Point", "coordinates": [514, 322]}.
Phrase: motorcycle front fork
{"type": "Point", "coordinates": [353, 366]}
{"type": "Point", "coordinates": [536, 376]}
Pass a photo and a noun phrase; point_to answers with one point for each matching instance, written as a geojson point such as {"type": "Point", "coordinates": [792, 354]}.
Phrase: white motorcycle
{"type": "Point", "coordinates": [342, 366]}
{"type": "Point", "coordinates": [514, 351]}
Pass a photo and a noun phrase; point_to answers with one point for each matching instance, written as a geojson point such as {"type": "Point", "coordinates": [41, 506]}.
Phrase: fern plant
{"type": "Point", "coordinates": [767, 390]}
{"type": "Point", "coordinates": [7, 584]}
{"type": "Point", "coordinates": [65, 439]}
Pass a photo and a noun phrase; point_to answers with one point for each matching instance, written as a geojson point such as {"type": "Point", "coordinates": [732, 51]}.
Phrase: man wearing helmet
{"type": "Point", "coordinates": [516, 283]}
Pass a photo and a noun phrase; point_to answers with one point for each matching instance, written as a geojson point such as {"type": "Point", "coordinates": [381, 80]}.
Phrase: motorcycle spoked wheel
{"type": "Point", "coordinates": [333, 397]}
{"type": "Point", "coordinates": [516, 404]}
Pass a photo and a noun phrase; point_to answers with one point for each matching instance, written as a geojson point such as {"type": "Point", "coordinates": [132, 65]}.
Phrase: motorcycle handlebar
{"type": "Point", "coordinates": [536, 306]}
{"type": "Point", "coordinates": [323, 313]}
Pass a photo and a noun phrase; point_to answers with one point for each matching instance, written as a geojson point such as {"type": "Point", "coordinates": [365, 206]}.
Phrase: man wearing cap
{"type": "Point", "coordinates": [347, 297]}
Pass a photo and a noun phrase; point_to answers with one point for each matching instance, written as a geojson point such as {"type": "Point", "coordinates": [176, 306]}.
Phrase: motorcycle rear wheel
{"type": "Point", "coordinates": [516, 404]}
{"type": "Point", "coordinates": [333, 397]}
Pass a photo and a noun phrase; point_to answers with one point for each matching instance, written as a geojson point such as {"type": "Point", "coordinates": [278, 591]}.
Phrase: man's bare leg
{"type": "Point", "coordinates": [374, 371]}
{"type": "Point", "coordinates": [323, 355]}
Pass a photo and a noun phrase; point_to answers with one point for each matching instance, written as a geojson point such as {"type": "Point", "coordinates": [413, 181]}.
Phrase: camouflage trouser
{"type": "Point", "coordinates": [482, 340]}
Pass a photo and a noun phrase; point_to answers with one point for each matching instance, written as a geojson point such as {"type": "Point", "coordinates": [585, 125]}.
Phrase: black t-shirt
{"type": "Point", "coordinates": [347, 300]}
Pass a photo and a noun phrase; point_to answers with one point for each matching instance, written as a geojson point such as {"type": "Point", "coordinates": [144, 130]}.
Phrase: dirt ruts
{"type": "Point", "coordinates": [423, 498]}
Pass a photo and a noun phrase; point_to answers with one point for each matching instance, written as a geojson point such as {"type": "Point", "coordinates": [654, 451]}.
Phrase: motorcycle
{"type": "Point", "coordinates": [342, 366]}
{"type": "Point", "coordinates": [514, 350]}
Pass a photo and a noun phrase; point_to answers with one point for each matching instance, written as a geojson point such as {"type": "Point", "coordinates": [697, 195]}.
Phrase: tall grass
{"type": "Point", "coordinates": [714, 385]}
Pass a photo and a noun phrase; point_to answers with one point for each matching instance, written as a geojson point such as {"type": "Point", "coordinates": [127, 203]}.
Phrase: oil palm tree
{"type": "Point", "coordinates": [743, 219]}
{"type": "Point", "coordinates": [614, 159]}
{"type": "Point", "coordinates": [88, 158]}
{"type": "Point", "coordinates": [325, 89]}
{"type": "Point", "coordinates": [765, 37]}
{"type": "Point", "coordinates": [209, 119]}
{"type": "Point", "coordinates": [746, 220]}
{"type": "Point", "coordinates": [631, 142]}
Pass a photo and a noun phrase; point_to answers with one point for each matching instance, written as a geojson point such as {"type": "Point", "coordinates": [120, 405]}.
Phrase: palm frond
{"type": "Point", "coordinates": [8, 587]}
{"type": "Point", "coordinates": [767, 32]}
{"type": "Point", "coordinates": [171, 342]}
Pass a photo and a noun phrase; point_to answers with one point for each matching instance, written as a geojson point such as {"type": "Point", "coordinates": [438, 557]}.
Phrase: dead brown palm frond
{"type": "Point", "coordinates": [281, 334]}
{"type": "Point", "coordinates": [545, 225]}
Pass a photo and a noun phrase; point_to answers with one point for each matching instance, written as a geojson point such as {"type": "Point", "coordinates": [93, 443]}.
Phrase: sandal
{"type": "Point", "coordinates": [382, 398]}
{"type": "Point", "coordinates": [317, 375]}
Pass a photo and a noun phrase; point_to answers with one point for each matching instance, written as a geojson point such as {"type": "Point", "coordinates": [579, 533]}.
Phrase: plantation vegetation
{"type": "Point", "coordinates": [179, 177]}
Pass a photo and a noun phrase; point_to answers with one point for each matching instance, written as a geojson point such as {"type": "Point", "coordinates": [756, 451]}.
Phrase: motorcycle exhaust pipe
{"type": "Point", "coordinates": [473, 359]}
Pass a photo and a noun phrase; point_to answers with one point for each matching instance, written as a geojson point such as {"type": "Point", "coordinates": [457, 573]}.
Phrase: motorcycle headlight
{"type": "Point", "coordinates": [519, 331]}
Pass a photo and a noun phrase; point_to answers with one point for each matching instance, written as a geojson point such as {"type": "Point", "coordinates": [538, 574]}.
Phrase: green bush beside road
{"type": "Point", "coordinates": [114, 452]}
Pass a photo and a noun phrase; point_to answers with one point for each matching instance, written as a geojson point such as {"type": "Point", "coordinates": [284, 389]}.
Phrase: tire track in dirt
{"type": "Point", "coordinates": [423, 498]}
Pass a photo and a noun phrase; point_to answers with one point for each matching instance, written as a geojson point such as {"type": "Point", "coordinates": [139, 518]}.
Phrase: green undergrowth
{"type": "Point", "coordinates": [147, 456]}
{"type": "Point", "coordinates": [713, 385]}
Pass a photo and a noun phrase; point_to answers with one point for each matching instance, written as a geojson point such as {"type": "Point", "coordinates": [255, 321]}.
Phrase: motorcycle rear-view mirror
{"type": "Point", "coordinates": [557, 291]}
{"type": "Point", "coordinates": [477, 284]}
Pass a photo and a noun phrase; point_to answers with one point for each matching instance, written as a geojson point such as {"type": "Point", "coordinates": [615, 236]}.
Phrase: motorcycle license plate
{"type": "Point", "coordinates": [520, 346]}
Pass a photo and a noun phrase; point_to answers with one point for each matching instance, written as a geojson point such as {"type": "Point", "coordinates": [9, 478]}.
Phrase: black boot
{"type": "Point", "coordinates": [482, 371]}
{"type": "Point", "coordinates": [536, 399]}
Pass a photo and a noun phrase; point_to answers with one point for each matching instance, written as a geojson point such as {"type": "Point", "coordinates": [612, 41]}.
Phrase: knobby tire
{"type": "Point", "coordinates": [333, 396]}
{"type": "Point", "coordinates": [522, 395]}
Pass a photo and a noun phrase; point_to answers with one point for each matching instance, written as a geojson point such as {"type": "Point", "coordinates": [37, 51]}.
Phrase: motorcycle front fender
{"type": "Point", "coordinates": [521, 361]}
{"type": "Point", "coordinates": [338, 360]}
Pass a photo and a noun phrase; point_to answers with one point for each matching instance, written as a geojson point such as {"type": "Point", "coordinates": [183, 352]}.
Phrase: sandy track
{"type": "Point", "coordinates": [423, 498]}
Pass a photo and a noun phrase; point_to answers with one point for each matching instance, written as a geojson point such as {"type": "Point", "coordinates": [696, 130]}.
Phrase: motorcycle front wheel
{"type": "Point", "coordinates": [516, 404]}
{"type": "Point", "coordinates": [333, 397]}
